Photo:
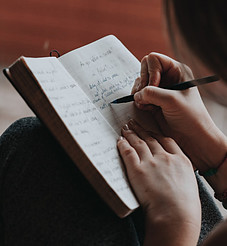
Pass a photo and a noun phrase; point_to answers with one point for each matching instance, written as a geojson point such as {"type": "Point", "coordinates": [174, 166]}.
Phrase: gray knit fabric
{"type": "Point", "coordinates": [44, 200]}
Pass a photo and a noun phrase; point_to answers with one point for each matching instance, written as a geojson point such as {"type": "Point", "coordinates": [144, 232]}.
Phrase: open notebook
{"type": "Point", "coordinates": [72, 96]}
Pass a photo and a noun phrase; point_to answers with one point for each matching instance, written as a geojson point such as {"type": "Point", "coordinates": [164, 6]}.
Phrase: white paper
{"type": "Point", "coordinates": [106, 70]}
{"type": "Point", "coordinates": [86, 124]}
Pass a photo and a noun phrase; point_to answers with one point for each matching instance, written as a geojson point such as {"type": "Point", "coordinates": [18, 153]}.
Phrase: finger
{"type": "Point", "coordinates": [157, 142]}
{"type": "Point", "coordinates": [144, 73]}
{"type": "Point", "coordinates": [168, 144]}
{"type": "Point", "coordinates": [162, 123]}
{"type": "Point", "coordinates": [154, 146]}
{"type": "Point", "coordinates": [136, 85]}
{"type": "Point", "coordinates": [155, 65]}
{"type": "Point", "coordinates": [137, 143]}
{"type": "Point", "coordinates": [146, 107]}
{"type": "Point", "coordinates": [164, 70]}
{"type": "Point", "coordinates": [151, 125]}
{"type": "Point", "coordinates": [154, 69]}
{"type": "Point", "coordinates": [157, 96]}
{"type": "Point", "coordinates": [128, 153]}
{"type": "Point", "coordinates": [164, 63]}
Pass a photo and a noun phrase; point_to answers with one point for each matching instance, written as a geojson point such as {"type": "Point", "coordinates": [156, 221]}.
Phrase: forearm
{"type": "Point", "coordinates": [208, 150]}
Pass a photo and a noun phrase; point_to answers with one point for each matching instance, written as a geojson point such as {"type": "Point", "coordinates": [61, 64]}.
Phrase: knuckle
{"type": "Point", "coordinates": [176, 159]}
{"type": "Point", "coordinates": [150, 139]}
{"type": "Point", "coordinates": [178, 68]}
{"type": "Point", "coordinates": [155, 53]}
{"type": "Point", "coordinates": [167, 158]}
{"type": "Point", "coordinates": [168, 140]}
{"type": "Point", "coordinates": [152, 163]}
{"type": "Point", "coordinates": [185, 159]}
{"type": "Point", "coordinates": [151, 56]}
{"type": "Point", "coordinates": [138, 171]}
{"type": "Point", "coordinates": [182, 159]}
{"type": "Point", "coordinates": [139, 143]}
{"type": "Point", "coordinates": [148, 93]}
{"type": "Point", "coordinates": [144, 59]}
{"type": "Point", "coordinates": [127, 152]}
{"type": "Point", "coordinates": [152, 59]}
{"type": "Point", "coordinates": [186, 68]}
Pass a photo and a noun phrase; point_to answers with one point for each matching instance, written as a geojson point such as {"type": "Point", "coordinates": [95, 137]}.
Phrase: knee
{"type": "Point", "coordinates": [24, 135]}
{"type": "Point", "coordinates": [23, 128]}
{"type": "Point", "coordinates": [28, 145]}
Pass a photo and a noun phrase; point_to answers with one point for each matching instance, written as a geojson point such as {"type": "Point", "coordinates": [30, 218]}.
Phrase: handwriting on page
{"type": "Point", "coordinates": [83, 120]}
{"type": "Point", "coordinates": [105, 73]}
{"type": "Point", "coordinates": [107, 78]}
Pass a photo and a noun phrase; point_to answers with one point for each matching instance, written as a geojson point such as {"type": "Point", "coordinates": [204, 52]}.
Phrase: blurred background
{"type": "Point", "coordinates": [35, 27]}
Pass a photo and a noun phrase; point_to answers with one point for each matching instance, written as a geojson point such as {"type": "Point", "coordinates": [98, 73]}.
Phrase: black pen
{"type": "Point", "coordinates": [181, 86]}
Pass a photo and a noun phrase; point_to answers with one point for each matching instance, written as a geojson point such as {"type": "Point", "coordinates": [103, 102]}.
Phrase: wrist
{"type": "Point", "coordinates": [207, 149]}
{"type": "Point", "coordinates": [218, 180]}
{"type": "Point", "coordinates": [172, 230]}
{"type": "Point", "coordinates": [210, 154]}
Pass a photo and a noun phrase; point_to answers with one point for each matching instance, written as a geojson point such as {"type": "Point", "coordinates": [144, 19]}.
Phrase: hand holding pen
{"type": "Point", "coordinates": [180, 115]}
{"type": "Point", "coordinates": [180, 87]}
{"type": "Point", "coordinates": [157, 170]}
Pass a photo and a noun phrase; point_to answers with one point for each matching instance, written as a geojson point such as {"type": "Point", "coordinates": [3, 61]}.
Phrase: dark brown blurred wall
{"type": "Point", "coordinates": [34, 27]}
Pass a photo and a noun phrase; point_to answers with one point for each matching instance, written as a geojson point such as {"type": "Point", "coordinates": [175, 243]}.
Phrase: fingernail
{"type": "Point", "coordinates": [120, 138]}
{"type": "Point", "coordinates": [125, 127]}
{"type": "Point", "coordinates": [131, 122]}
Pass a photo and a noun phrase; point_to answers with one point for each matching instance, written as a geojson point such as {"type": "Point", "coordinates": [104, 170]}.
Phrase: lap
{"type": "Point", "coordinates": [46, 201]}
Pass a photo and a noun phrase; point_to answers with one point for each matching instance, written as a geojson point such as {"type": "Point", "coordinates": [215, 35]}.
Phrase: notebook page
{"type": "Point", "coordinates": [84, 121]}
{"type": "Point", "coordinates": [106, 70]}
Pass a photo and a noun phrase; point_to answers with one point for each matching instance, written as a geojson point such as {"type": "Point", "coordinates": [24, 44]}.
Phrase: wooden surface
{"type": "Point", "coordinates": [34, 27]}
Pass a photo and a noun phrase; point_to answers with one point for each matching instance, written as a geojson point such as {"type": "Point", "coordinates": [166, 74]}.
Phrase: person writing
{"type": "Point", "coordinates": [46, 201]}
{"type": "Point", "coordinates": [161, 166]}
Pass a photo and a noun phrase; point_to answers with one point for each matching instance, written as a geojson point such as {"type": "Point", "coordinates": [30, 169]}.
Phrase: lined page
{"type": "Point", "coordinates": [87, 126]}
{"type": "Point", "coordinates": [106, 70]}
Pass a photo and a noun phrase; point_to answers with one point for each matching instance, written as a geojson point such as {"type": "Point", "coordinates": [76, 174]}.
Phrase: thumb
{"type": "Point", "coordinates": [156, 96]}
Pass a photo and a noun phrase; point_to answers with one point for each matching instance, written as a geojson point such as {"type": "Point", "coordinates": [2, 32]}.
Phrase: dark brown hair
{"type": "Point", "coordinates": [203, 25]}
